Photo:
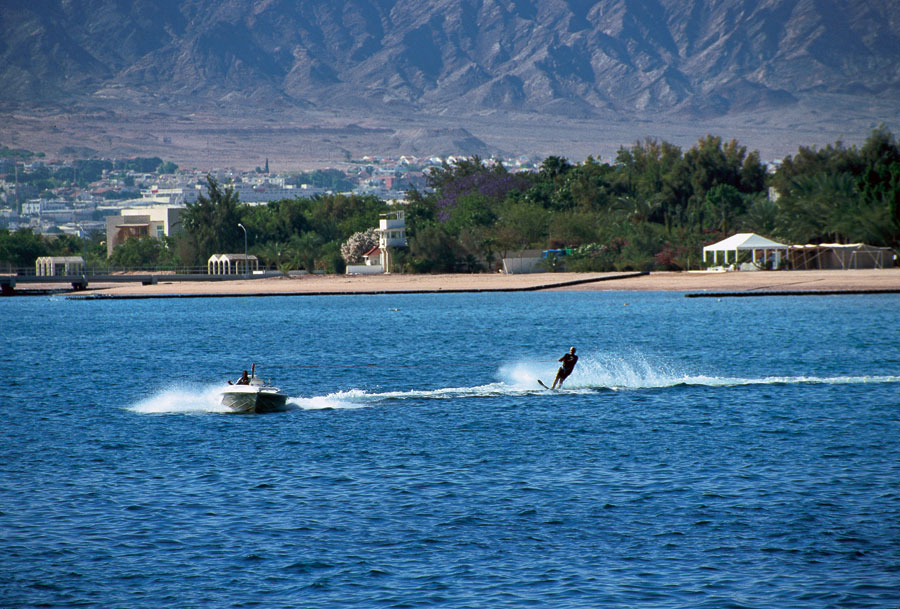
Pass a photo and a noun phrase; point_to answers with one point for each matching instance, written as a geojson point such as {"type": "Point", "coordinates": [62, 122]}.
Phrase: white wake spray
{"type": "Point", "coordinates": [635, 371]}
{"type": "Point", "coordinates": [594, 372]}
{"type": "Point", "coordinates": [183, 399]}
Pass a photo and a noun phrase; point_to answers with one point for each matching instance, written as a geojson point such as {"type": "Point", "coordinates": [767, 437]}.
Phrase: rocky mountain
{"type": "Point", "coordinates": [576, 58]}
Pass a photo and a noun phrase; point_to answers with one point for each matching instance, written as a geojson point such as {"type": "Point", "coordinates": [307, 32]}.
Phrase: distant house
{"type": "Point", "coordinates": [156, 221]}
{"type": "Point", "coordinates": [371, 263]}
{"type": "Point", "coordinates": [373, 256]}
{"type": "Point", "coordinates": [391, 234]}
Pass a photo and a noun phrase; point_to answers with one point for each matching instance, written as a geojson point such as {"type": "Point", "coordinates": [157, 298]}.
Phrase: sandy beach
{"type": "Point", "coordinates": [690, 282]}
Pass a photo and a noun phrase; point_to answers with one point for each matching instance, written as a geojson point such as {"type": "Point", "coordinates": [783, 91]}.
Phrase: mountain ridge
{"type": "Point", "coordinates": [238, 81]}
{"type": "Point", "coordinates": [619, 57]}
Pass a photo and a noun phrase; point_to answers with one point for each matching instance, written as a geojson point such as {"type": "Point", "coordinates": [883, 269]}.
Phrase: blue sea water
{"type": "Point", "coordinates": [705, 452]}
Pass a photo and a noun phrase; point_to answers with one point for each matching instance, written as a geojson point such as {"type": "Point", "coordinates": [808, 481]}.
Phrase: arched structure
{"type": "Point", "coordinates": [231, 264]}
{"type": "Point", "coordinates": [51, 266]}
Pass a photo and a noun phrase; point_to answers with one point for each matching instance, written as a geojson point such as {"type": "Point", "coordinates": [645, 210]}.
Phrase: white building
{"type": "Point", "coordinates": [155, 221]}
{"type": "Point", "coordinates": [265, 191]}
{"type": "Point", "coordinates": [391, 234]}
{"type": "Point", "coordinates": [167, 196]}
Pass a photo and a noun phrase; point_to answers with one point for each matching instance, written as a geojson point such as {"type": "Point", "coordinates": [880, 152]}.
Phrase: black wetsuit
{"type": "Point", "coordinates": [568, 365]}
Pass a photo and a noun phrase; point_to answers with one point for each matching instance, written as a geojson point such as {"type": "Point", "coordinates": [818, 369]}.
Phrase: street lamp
{"type": "Point", "coordinates": [246, 262]}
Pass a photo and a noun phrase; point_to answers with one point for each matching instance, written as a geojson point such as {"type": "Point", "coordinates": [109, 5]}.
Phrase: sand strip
{"type": "Point", "coordinates": [767, 282]}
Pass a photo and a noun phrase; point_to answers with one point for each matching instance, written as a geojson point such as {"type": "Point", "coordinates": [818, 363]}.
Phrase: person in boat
{"type": "Point", "coordinates": [568, 365]}
{"type": "Point", "coordinates": [244, 380]}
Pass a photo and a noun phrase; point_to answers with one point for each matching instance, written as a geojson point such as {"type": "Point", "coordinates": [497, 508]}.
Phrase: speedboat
{"type": "Point", "coordinates": [256, 395]}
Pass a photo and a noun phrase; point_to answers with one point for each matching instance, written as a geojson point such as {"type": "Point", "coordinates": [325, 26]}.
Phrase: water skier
{"type": "Point", "coordinates": [568, 365]}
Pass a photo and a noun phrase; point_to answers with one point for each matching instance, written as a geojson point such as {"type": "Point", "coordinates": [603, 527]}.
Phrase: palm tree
{"type": "Point", "coordinates": [762, 215]}
{"type": "Point", "coordinates": [820, 208]}
{"type": "Point", "coordinates": [637, 209]}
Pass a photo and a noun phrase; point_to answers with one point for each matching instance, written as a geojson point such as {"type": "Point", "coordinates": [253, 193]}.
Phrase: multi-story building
{"type": "Point", "coordinates": [155, 221]}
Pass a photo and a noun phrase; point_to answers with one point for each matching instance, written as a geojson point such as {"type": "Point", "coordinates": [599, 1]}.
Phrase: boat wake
{"type": "Point", "coordinates": [636, 372]}
{"type": "Point", "coordinates": [594, 375]}
{"type": "Point", "coordinates": [359, 398]}
{"type": "Point", "coordinates": [183, 399]}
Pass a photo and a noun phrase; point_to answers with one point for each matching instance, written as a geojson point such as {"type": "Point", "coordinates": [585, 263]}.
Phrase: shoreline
{"type": "Point", "coordinates": [736, 283]}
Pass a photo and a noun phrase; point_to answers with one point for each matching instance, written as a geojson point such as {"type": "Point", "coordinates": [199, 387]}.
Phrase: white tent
{"type": "Point", "coordinates": [840, 256]}
{"type": "Point", "coordinates": [743, 242]}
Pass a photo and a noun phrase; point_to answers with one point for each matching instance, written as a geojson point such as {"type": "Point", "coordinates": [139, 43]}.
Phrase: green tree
{"type": "Point", "coordinates": [145, 252]}
{"type": "Point", "coordinates": [572, 229]}
{"type": "Point", "coordinates": [553, 168]}
{"type": "Point", "coordinates": [521, 225]}
{"type": "Point", "coordinates": [552, 188]}
{"type": "Point", "coordinates": [589, 186]}
{"type": "Point", "coordinates": [840, 193]}
{"type": "Point", "coordinates": [329, 258]}
{"type": "Point", "coordinates": [809, 161]}
{"type": "Point", "coordinates": [332, 179]}
{"type": "Point", "coordinates": [434, 250]}
{"type": "Point", "coordinates": [167, 167]}
{"type": "Point", "coordinates": [212, 222]}
{"type": "Point", "coordinates": [336, 217]}
{"type": "Point", "coordinates": [472, 210]}
{"type": "Point", "coordinates": [636, 209]}
{"type": "Point", "coordinates": [654, 172]}
{"type": "Point", "coordinates": [278, 220]}
{"type": "Point", "coordinates": [270, 253]}
{"type": "Point", "coordinates": [721, 209]}
{"type": "Point", "coordinates": [818, 208]}
{"type": "Point", "coordinates": [304, 249]}
{"type": "Point", "coordinates": [86, 171]}
{"type": "Point", "coordinates": [421, 211]}
{"type": "Point", "coordinates": [21, 248]}
{"type": "Point", "coordinates": [140, 164]}
{"type": "Point", "coordinates": [762, 216]}
{"type": "Point", "coordinates": [479, 247]}
{"type": "Point", "coordinates": [879, 185]}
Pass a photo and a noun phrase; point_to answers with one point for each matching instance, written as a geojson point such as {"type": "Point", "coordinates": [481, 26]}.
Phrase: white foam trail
{"type": "Point", "coordinates": [788, 380]}
{"type": "Point", "coordinates": [610, 372]}
{"type": "Point", "coordinates": [636, 371]}
{"type": "Point", "coordinates": [594, 372]}
{"type": "Point", "coordinates": [357, 398]}
{"type": "Point", "coordinates": [183, 399]}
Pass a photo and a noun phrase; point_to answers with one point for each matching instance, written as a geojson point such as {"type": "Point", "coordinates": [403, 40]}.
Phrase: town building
{"type": "Point", "coordinates": [156, 221]}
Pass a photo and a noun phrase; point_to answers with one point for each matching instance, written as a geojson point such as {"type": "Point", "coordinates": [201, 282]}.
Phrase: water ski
{"type": "Point", "coordinates": [541, 383]}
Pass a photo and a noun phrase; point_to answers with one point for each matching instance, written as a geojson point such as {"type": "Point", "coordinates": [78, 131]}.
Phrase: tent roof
{"type": "Point", "coordinates": [232, 257]}
{"type": "Point", "coordinates": [859, 246]}
{"type": "Point", "coordinates": [61, 259]}
{"type": "Point", "coordinates": [744, 241]}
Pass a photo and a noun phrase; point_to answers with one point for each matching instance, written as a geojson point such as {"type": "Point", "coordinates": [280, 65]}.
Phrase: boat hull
{"type": "Point", "coordinates": [251, 401]}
